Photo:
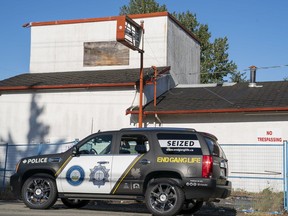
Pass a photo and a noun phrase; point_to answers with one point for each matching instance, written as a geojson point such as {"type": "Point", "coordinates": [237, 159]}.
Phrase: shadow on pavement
{"type": "Point", "coordinates": [134, 207]}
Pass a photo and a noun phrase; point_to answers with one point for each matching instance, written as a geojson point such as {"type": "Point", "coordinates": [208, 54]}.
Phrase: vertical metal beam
{"type": "Point", "coordinates": [5, 168]}
{"type": "Point", "coordinates": [285, 174]}
{"type": "Point", "coordinates": [155, 84]}
{"type": "Point", "coordinates": [140, 115]}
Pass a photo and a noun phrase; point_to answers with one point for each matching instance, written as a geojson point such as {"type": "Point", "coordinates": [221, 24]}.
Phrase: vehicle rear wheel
{"type": "Point", "coordinates": [162, 197]}
{"type": "Point", "coordinates": [39, 191]}
{"type": "Point", "coordinates": [74, 203]}
{"type": "Point", "coordinates": [191, 206]}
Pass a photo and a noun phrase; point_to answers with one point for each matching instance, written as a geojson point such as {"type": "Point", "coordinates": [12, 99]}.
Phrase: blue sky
{"type": "Point", "coordinates": [257, 30]}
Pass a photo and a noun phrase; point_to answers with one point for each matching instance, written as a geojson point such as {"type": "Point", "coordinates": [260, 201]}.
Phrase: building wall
{"type": "Point", "coordinates": [29, 118]}
{"type": "Point", "coordinates": [60, 48]}
{"type": "Point", "coordinates": [183, 55]}
{"type": "Point", "coordinates": [253, 144]}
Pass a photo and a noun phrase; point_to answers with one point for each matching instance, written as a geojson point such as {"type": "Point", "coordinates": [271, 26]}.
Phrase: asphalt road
{"type": "Point", "coordinates": [17, 208]}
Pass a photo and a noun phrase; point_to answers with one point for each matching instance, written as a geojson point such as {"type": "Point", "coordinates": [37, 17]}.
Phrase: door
{"type": "Point", "coordinates": [91, 170]}
{"type": "Point", "coordinates": [129, 164]}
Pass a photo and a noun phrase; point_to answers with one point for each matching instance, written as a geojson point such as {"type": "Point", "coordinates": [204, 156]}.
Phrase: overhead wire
{"type": "Point", "coordinates": [244, 70]}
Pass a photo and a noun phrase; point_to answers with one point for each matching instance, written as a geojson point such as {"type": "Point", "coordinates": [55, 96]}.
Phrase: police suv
{"type": "Point", "coordinates": [171, 169]}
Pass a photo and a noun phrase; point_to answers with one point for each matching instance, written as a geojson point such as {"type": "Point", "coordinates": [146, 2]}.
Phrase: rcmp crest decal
{"type": "Point", "coordinates": [99, 174]}
{"type": "Point", "coordinates": [75, 175]}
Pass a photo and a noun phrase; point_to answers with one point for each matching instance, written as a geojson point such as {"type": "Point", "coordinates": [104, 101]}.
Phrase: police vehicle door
{"type": "Point", "coordinates": [128, 163]}
{"type": "Point", "coordinates": [90, 171]}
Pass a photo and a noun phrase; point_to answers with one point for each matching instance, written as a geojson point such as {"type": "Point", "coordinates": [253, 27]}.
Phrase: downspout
{"type": "Point", "coordinates": [155, 84]}
{"type": "Point", "coordinates": [155, 95]}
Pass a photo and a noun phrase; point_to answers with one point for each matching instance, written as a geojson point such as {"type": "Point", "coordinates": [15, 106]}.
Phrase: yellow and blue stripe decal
{"type": "Point", "coordinates": [63, 166]}
{"type": "Point", "coordinates": [126, 173]}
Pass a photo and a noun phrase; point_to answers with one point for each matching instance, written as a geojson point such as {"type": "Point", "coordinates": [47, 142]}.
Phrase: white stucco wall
{"type": "Point", "coordinates": [183, 55]}
{"type": "Point", "coordinates": [59, 48]}
{"type": "Point", "coordinates": [61, 116]}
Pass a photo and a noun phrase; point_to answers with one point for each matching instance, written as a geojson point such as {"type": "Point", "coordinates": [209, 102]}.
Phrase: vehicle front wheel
{"type": "Point", "coordinates": [162, 197]}
{"type": "Point", "coordinates": [74, 203]}
{"type": "Point", "coordinates": [39, 191]}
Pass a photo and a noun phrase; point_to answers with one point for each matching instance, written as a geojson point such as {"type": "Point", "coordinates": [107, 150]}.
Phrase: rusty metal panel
{"type": "Point", "coordinates": [105, 54]}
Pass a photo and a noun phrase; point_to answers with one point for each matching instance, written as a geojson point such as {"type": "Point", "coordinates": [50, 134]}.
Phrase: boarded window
{"type": "Point", "coordinates": [105, 54]}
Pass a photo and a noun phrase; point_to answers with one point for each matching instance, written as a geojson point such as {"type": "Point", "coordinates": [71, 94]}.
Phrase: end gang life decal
{"type": "Point", "coordinates": [75, 175]}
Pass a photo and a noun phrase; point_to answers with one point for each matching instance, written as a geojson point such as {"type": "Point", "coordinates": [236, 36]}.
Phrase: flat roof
{"type": "Point", "coordinates": [111, 18]}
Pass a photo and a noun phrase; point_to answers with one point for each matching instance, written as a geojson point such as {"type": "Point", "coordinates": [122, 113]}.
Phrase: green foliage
{"type": "Point", "coordinates": [262, 203]}
{"type": "Point", "coordinates": [215, 63]}
{"type": "Point", "coordinates": [6, 193]}
{"type": "Point", "coordinates": [214, 58]}
{"type": "Point", "coordinates": [238, 77]}
{"type": "Point", "coordinates": [268, 201]}
{"type": "Point", "coordinates": [142, 7]}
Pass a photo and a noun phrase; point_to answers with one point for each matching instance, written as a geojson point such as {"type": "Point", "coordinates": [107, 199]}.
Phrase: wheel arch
{"type": "Point", "coordinates": [172, 176]}
{"type": "Point", "coordinates": [30, 173]}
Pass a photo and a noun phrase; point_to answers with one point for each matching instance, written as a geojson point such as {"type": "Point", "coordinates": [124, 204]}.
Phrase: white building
{"type": "Point", "coordinates": [81, 81]}
{"type": "Point", "coordinates": [250, 123]}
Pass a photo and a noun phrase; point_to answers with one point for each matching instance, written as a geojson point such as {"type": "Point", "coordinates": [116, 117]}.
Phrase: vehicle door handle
{"type": "Point", "coordinates": [103, 162]}
{"type": "Point", "coordinates": [145, 162]}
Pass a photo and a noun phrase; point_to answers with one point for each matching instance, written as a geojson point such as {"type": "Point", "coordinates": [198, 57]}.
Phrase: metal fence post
{"type": "Point", "coordinates": [285, 171]}
{"type": "Point", "coordinates": [5, 167]}
{"type": "Point", "coordinates": [40, 148]}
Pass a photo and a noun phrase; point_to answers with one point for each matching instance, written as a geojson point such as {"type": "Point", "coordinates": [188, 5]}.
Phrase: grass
{"type": "Point", "coordinates": [266, 201]}
{"type": "Point", "coordinates": [6, 194]}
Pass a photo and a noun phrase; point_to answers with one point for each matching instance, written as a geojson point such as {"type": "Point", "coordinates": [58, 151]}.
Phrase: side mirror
{"type": "Point", "coordinates": [75, 151]}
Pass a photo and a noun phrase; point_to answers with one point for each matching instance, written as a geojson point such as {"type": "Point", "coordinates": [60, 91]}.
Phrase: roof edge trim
{"type": "Point", "coordinates": [171, 112]}
{"type": "Point", "coordinates": [67, 86]}
{"type": "Point", "coordinates": [100, 19]}
{"type": "Point", "coordinates": [111, 18]}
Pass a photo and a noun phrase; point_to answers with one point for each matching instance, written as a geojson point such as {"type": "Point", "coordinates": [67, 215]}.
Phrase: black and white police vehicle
{"type": "Point", "coordinates": [171, 169]}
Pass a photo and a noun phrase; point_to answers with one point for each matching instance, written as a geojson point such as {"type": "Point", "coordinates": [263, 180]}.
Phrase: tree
{"type": "Point", "coordinates": [238, 77]}
{"type": "Point", "coordinates": [214, 58]}
{"type": "Point", "coordinates": [142, 7]}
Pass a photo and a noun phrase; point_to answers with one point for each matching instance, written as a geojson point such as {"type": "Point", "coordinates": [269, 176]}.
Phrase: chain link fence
{"type": "Point", "coordinates": [10, 154]}
{"type": "Point", "coordinates": [255, 167]}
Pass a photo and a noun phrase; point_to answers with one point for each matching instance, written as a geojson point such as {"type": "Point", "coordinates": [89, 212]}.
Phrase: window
{"type": "Point", "coordinates": [215, 148]}
{"type": "Point", "coordinates": [105, 53]}
{"type": "Point", "coordinates": [133, 144]}
{"type": "Point", "coordinates": [179, 144]}
{"type": "Point", "coordinates": [98, 145]}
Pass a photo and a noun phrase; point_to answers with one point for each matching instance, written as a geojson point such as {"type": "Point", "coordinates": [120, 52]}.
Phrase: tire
{"type": "Point", "coordinates": [74, 203]}
{"type": "Point", "coordinates": [39, 191]}
{"type": "Point", "coordinates": [191, 206]}
{"type": "Point", "coordinates": [163, 197]}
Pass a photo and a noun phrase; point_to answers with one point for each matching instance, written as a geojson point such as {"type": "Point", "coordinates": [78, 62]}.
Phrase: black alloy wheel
{"type": "Point", "coordinates": [39, 191]}
{"type": "Point", "coordinates": [164, 198]}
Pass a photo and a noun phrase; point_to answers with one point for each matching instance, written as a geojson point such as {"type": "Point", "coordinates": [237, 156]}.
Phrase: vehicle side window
{"type": "Point", "coordinates": [179, 143]}
{"type": "Point", "coordinates": [98, 145]}
{"type": "Point", "coordinates": [215, 148]}
{"type": "Point", "coordinates": [133, 144]}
